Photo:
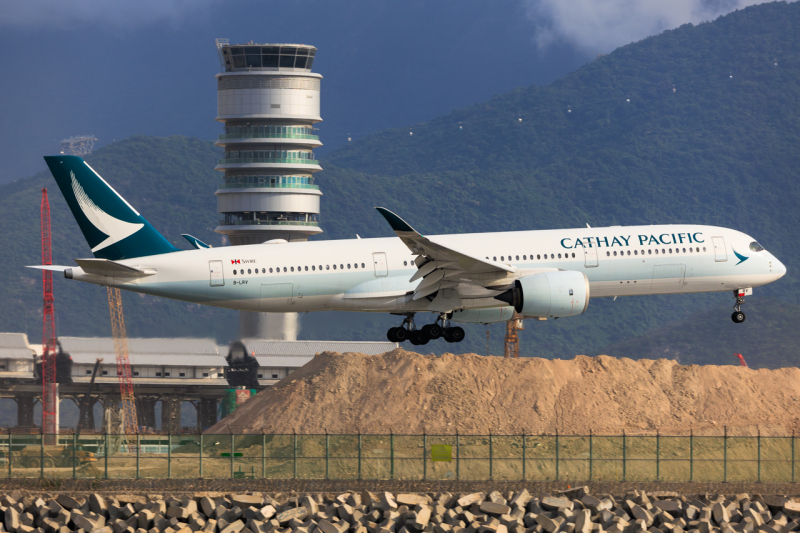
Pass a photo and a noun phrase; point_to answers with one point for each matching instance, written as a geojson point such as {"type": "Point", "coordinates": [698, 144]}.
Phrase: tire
{"type": "Point", "coordinates": [400, 334]}
{"type": "Point", "coordinates": [33, 463]}
{"type": "Point", "coordinates": [433, 331]}
{"type": "Point", "coordinates": [457, 334]}
{"type": "Point", "coordinates": [738, 317]}
{"type": "Point", "coordinates": [390, 335]}
{"type": "Point", "coordinates": [49, 463]}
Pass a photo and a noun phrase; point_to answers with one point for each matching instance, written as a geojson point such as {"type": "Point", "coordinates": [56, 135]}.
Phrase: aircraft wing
{"type": "Point", "coordinates": [440, 266]}
{"type": "Point", "coordinates": [105, 267]}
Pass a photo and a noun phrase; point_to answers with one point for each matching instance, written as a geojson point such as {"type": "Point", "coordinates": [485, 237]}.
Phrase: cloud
{"type": "Point", "coordinates": [603, 25]}
{"type": "Point", "coordinates": [114, 13]}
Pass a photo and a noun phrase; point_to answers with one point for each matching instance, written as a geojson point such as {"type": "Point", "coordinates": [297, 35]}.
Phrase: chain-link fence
{"type": "Point", "coordinates": [533, 458]}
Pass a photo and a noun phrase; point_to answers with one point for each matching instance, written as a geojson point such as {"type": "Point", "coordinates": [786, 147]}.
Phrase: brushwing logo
{"type": "Point", "coordinates": [114, 228]}
{"type": "Point", "coordinates": [740, 257]}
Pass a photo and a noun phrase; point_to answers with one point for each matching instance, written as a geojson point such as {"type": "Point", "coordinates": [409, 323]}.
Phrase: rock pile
{"type": "Point", "coordinates": [574, 511]}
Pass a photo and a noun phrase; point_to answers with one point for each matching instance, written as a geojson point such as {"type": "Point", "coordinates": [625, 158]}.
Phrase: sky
{"type": "Point", "coordinates": [128, 67]}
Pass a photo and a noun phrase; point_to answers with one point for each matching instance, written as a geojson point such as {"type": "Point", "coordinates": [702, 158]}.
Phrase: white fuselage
{"type": "Point", "coordinates": [373, 274]}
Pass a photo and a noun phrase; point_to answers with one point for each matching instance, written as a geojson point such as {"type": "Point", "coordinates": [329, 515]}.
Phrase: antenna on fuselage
{"type": "Point", "coordinates": [588, 226]}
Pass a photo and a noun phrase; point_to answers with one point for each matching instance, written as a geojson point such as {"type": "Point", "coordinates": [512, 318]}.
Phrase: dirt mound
{"type": "Point", "coordinates": [408, 393]}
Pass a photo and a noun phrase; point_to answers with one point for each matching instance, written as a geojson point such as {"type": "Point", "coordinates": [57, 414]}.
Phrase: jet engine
{"type": "Point", "coordinates": [549, 294]}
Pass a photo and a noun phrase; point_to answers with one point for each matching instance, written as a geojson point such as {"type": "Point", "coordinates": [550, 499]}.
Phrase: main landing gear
{"type": "Point", "coordinates": [441, 328]}
{"type": "Point", "coordinates": [738, 316]}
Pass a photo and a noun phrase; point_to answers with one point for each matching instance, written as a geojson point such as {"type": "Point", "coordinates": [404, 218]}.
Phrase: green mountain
{"type": "Point", "coordinates": [696, 125]}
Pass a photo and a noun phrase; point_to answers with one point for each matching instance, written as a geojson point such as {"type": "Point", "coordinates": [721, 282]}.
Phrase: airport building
{"type": "Point", "coordinates": [165, 371]}
{"type": "Point", "coordinates": [268, 100]}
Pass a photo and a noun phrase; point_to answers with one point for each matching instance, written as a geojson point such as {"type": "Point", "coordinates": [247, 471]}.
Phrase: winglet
{"type": "Point", "coordinates": [398, 224]}
{"type": "Point", "coordinates": [194, 241]}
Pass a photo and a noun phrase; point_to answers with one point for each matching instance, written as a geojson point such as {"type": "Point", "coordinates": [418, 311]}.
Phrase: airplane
{"type": "Point", "coordinates": [461, 278]}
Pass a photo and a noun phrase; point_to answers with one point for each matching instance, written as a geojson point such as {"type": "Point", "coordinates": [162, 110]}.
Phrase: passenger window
{"type": "Point", "coordinates": [341, 267]}
{"type": "Point", "coordinates": [649, 252]}
{"type": "Point", "coordinates": [263, 270]}
{"type": "Point", "coordinates": [608, 254]}
{"type": "Point", "coordinates": [502, 258]}
{"type": "Point", "coordinates": [284, 269]}
{"type": "Point", "coordinates": [313, 268]}
{"type": "Point", "coordinates": [320, 267]}
{"type": "Point", "coordinates": [234, 271]}
{"type": "Point", "coordinates": [704, 248]}
{"type": "Point", "coordinates": [270, 271]}
{"type": "Point", "coordinates": [494, 258]}
{"type": "Point", "coordinates": [559, 256]}
{"type": "Point", "coordinates": [573, 255]}
{"type": "Point", "coordinates": [327, 267]}
{"type": "Point", "coordinates": [615, 254]}
{"type": "Point", "coordinates": [355, 265]}
{"type": "Point", "coordinates": [405, 263]}
{"type": "Point", "coordinates": [362, 265]}
{"type": "Point", "coordinates": [670, 250]}
{"type": "Point", "coordinates": [684, 250]}
{"type": "Point", "coordinates": [292, 269]}
{"type": "Point", "coordinates": [334, 267]}
{"type": "Point", "coordinates": [306, 269]}
{"type": "Point", "coordinates": [663, 251]}
{"type": "Point", "coordinates": [517, 258]}
{"type": "Point", "coordinates": [635, 252]}
{"type": "Point", "coordinates": [348, 266]}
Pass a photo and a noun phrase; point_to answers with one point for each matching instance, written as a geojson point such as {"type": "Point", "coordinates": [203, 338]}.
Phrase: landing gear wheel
{"type": "Point", "coordinates": [738, 317]}
{"type": "Point", "coordinates": [397, 334]}
{"type": "Point", "coordinates": [432, 331]}
{"type": "Point", "coordinates": [418, 338]}
{"type": "Point", "coordinates": [454, 334]}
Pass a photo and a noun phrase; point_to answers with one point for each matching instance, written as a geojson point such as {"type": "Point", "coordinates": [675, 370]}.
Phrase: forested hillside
{"type": "Point", "coordinates": [696, 125]}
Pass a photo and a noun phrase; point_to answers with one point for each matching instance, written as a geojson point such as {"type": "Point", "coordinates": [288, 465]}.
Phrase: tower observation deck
{"type": "Point", "coordinates": [268, 101]}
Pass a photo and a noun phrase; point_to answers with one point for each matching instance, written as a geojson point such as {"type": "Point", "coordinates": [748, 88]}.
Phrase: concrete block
{"type": "Point", "coordinates": [720, 513]}
{"type": "Point", "coordinates": [642, 514]}
{"type": "Point", "coordinates": [11, 519]}
{"type": "Point", "coordinates": [104, 529]}
{"type": "Point", "coordinates": [97, 504]}
{"type": "Point", "coordinates": [83, 522]}
{"type": "Point", "coordinates": [553, 504]}
{"type": "Point", "coordinates": [145, 518]}
{"type": "Point", "coordinates": [520, 499]}
{"type": "Point", "coordinates": [388, 502]}
{"type": "Point", "coordinates": [298, 512]}
{"type": "Point", "coordinates": [245, 500]}
{"type": "Point", "coordinates": [495, 508]}
{"type": "Point", "coordinates": [210, 527]}
{"type": "Point", "coordinates": [327, 527]}
{"type": "Point", "coordinates": [496, 497]}
{"type": "Point", "coordinates": [469, 499]}
{"type": "Point", "coordinates": [547, 523]}
{"type": "Point", "coordinates": [422, 517]}
{"type": "Point", "coordinates": [411, 500]}
{"type": "Point", "coordinates": [306, 501]}
{"type": "Point", "coordinates": [234, 527]}
{"type": "Point", "coordinates": [792, 508]}
{"type": "Point", "coordinates": [67, 502]}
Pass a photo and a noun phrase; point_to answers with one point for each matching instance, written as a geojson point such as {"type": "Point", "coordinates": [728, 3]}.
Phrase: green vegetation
{"type": "Point", "coordinates": [696, 125]}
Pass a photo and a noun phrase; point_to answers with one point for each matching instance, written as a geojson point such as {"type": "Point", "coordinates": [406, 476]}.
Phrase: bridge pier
{"type": "Point", "coordinates": [146, 411]}
{"type": "Point", "coordinates": [206, 413]}
{"type": "Point", "coordinates": [25, 404]}
{"type": "Point", "coordinates": [171, 414]}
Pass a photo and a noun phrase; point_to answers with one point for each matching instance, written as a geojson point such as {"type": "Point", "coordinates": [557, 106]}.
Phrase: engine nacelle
{"type": "Point", "coordinates": [549, 294]}
{"type": "Point", "coordinates": [483, 316]}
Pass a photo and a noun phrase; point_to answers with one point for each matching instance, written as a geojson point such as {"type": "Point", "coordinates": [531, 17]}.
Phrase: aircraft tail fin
{"type": "Point", "coordinates": [111, 226]}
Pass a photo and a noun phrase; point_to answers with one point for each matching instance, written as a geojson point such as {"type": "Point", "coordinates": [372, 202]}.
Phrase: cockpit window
{"type": "Point", "coordinates": [756, 247]}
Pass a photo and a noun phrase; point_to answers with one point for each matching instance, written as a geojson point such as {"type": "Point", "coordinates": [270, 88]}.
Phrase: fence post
{"type": "Point", "coordinates": [294, 456]}
{"type": "Point", "coordinates": [391, 454]}
{"type": "Point", "coordinates": [524, 450]}
{"type": "Point", "coordinates": [658, 455]}
{"type": "Point", "coordinates": [691, 455]}
{"type": "Point", "coordinates": [74, 446]}
{"type": "Point", "coordinates": [359, 454]}
{"type": "Point", "coordinates": [725, 456]}
{"type": "Point", "coordinates": [458, 456]}
{"type": "Point", "coordinates": [201, 456]}
{"type": "Point", "coordinates": [327, 454]}
{"type": "Point", "coordinates": [41, 456]}
{"type": "Point", "coordinates": [424, 456]}
{"type": "Point", "coordinates": [591, 443]}
{"type": "Point", "coordinates": [105, 455]}
{"type": "Point", "coordinates": [9, 452]}
{"type": "Point", "coordinates": [137, 456]}
{"type": "Point", "coordinates": [169, 455]}
{"type": "Point", "coordinates": [263, 454]}
{"type": "Point", "coordinates": [9, 448]}
{"type": "Point", "coordinates": [759, 455]}
{"type": "Point", "coordinates": [491, 456]}
{"type": "Point", "coordinates": [624, 456]}
{"type": "Point", "coordinates": [557, 446]}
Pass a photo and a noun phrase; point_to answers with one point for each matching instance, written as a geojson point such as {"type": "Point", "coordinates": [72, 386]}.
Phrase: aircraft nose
{"type": "Point", "coordinates": [778, 268]}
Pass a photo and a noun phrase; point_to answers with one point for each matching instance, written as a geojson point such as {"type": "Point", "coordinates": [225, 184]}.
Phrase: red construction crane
{"type": "Point", "coordinates": [741, 359]}
{"type": "Point", "coordinates": [49, 389]}
{"type": "Point", "coordinates": [129, 417]}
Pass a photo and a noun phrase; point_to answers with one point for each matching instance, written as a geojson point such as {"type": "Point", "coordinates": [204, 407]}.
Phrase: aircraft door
{"type": "Point", "coordinates": [590, 255]}
{"type": "Point", "coordinates": [720, 254]}
{"type": "Point", "coordinates": [379, 260]}
{"type": "Point", "coordinates": [215, 274]}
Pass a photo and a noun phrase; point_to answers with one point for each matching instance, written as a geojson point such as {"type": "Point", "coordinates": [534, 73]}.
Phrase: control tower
{"type": "Point", "coordinates": [268, 101]}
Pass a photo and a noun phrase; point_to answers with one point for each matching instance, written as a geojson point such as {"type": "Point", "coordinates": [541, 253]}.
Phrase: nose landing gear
{"type": "Point", "coordinates": [738, 316]}
{"type": "Point", "coordinates": [441, 328]}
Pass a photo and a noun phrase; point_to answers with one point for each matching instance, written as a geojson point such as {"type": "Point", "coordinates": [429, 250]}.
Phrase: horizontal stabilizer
{"type": "Point", "coordinates": [54, 268]}
{"type": "Point", "coordinates": [104, 267]}
{"type": "Point", "coordinates": [194, 241]}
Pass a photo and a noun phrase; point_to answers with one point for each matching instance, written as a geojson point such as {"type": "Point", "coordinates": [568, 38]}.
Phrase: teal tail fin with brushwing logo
{"type": "Point", "coordinates": [111, 226]}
